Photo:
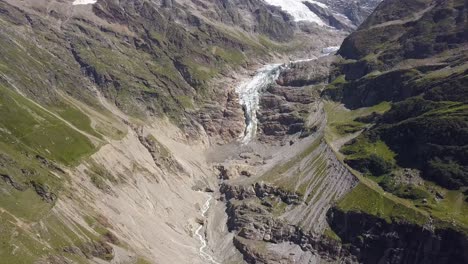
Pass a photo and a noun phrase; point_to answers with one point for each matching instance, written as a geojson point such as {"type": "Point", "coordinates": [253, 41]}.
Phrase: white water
{"type": "Point", "coordinates": [84, 2]}
{"type": "Point", "coordinates": [249, 96]}
{"type": "Point", "coordinates": [250, 91]}
{"type": "Point", "coordinates": [329, 50]}
{"type": "Point", "coordinates": [202, 239]}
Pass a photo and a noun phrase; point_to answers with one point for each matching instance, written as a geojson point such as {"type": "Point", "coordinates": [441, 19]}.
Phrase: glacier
{"type": "Point", "coordinates": [298, 10]}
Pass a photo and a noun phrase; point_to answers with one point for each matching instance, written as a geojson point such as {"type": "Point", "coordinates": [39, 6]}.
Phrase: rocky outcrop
{"type": "Point", "coordinates": [291, 209]}
{"type": "Point", "coordinates": [312, 72]}
{"type": "Point", "coordinates": [330, 251]}
{"type": "Point", "coordinates": [223, 120]}
{"type": "Point", "coordinates": [8, 180]}
{"type": "Point", "coordinates": [259, 190]}
{"type": "Point", "coordinates": [162, 157]}
{"type": "Point", "coordinates": [99, 249]}
{"type": "Point", "coordinates": [44, 192]}
{"type": "Point", "coordinates": [232, 171]}
{"type": "Point", "coordinates": [255, 224]}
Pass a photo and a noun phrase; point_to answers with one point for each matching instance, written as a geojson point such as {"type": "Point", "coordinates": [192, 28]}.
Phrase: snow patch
{"type": "Point", "coordinates": [84, 2]}
{"type": "Point", "coordinates": [298, 10]}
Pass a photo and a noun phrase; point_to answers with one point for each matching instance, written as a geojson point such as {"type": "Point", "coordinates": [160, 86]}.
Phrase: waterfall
{"type": "Point", "coordinates": [250, 91]}
{"type": "Point", "coordinates": [249, 96]}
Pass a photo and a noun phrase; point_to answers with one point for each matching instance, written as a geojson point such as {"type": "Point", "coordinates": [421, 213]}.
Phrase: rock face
{"type": "Point", "coordinates": [291, 106]}
{"type": "Point", "coordinates": [373, 240]}
{"type": "Point", "coordinates": [266, 214]}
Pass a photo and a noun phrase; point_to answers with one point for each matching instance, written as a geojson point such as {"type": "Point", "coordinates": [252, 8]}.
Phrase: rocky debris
{"type": "Point", "coordinates": [374, 240]}
{"type": "Point", "coordinates": [162, 157]}
{"type": "Point", "coordinates": [408, 176]}
{"type": "Point", "coordinates": [99, 249]}
{"type": "Point", "coordinates": [232, 171]}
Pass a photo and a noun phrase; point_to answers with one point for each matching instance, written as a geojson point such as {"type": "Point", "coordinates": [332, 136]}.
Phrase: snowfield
{"type": "Point", "coordinates": [298, 10]}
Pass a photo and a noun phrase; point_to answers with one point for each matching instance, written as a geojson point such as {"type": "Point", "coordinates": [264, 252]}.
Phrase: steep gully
{"type": "Point", "coordinates": [249, 97]}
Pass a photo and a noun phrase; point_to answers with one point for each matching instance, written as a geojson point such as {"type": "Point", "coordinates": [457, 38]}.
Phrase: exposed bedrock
{"type": "Point", "coordinates": [306, 72]}
{"type": "Point", "coordinates": [223, 119]}
{"type": "Point", "coordinates": [373, 240]}
{"type": "Point", "coordinates": [292, 105]}
{"type": "Point", "coordinates": [289, 208]}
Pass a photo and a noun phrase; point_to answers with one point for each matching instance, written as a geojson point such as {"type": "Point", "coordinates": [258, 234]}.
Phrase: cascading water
{"type": "Point", "coordinates": [249, 96]}
{"type": "Point", "coordinates": [250, 91]}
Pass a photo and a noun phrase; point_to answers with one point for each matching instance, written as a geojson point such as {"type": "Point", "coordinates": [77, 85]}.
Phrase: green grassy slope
{"type": "Point", "coordinates": [413, 55]}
